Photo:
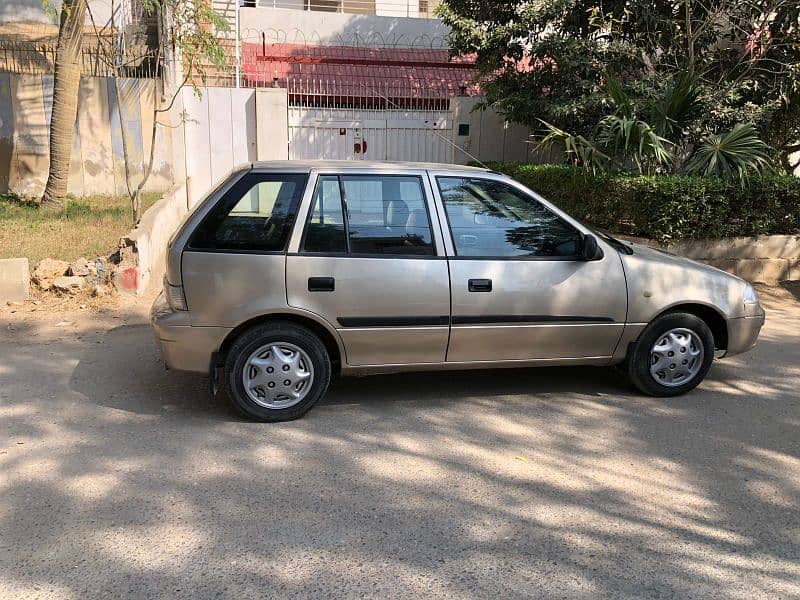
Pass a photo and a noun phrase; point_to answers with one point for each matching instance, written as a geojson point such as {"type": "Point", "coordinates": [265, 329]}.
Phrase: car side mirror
{"type": "Point", "coordinates": [590, 249]}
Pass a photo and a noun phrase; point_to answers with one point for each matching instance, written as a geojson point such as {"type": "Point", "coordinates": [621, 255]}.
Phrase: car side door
{"type": "Point", "coordinates": [520, 288]}
{"type": "Point", "coordinates": [370, 261]}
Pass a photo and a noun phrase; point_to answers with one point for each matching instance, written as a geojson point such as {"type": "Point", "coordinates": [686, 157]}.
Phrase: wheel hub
{"type": "Point", "coordinates": [278, 375]}
{"type": "Point", "coordinates": [677, 357]}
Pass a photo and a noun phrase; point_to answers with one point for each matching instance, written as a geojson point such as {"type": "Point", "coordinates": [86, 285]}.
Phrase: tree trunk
{"type": "Point", "coordinates": [66, 81]}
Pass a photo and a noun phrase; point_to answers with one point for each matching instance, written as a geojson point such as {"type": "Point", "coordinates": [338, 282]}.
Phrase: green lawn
{"type": "Point", "coordinates": [89, 226]}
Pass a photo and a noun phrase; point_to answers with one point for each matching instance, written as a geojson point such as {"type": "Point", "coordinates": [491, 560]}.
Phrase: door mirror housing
{"type": "Point", "coordinates": [590, 249]}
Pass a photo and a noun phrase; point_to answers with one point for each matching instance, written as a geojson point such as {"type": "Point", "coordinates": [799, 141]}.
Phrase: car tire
{"type": "Point", "coordinates": [274, 396]}
{"type": "Point", "coordinates": [672, 355]}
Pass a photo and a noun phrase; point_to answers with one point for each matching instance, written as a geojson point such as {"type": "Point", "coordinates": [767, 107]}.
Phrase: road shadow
{"type": "Point", "coordinates": [793, 287]}
{"type": "Point", "coordinates": [123, 370]}
{"type": "Point", "coordinates": [117, 479]}
{"type": "Point", "coordinates": [453, 386]}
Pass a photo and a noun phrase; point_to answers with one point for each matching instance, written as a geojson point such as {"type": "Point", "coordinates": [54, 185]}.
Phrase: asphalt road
{"type": "Point", "coordinates": [118, 479]}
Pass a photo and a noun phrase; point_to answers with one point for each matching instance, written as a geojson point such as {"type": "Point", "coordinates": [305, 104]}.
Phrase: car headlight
{"type": "Point", "coordinates": [750, 295]}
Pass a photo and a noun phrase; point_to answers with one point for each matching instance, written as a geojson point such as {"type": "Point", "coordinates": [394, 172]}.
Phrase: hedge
{"type": "Point", "coordinates": [667, 208]}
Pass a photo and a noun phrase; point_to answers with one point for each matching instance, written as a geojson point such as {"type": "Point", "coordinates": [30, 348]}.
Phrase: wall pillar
{"type": "Point", "coordinates": [466, 122]}
{"type": "Point", "coordinates": [272, 124]}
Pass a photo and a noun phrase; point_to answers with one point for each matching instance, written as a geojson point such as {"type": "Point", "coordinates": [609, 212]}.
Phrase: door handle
{"type": "Point", "coordinates": [321, 284]}
{"type": "Point", "coordinates": [480, 285]}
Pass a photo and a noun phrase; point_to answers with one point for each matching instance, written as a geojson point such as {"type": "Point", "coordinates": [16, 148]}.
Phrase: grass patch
{"type": "Point", "coordinates": [89, 226]}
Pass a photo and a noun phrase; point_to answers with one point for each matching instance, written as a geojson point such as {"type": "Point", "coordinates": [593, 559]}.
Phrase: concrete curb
{"type": "Point", "coordinates": [143, 250]}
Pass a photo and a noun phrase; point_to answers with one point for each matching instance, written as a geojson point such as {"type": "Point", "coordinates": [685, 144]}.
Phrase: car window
{"type": "Point", "coordinates": [256, 214]}
{"type": "Point", "coordinates": [386, 214]}
{"type": "Point", "coordinates": [325, 230]}
{"type": "Point", "coordinates": [489, 218]}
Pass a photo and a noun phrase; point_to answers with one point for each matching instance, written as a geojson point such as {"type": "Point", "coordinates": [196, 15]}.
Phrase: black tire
{"type": "Point", "coordinates": [638, 361]}
{"type": "Point", "coordinates": [260, 335]}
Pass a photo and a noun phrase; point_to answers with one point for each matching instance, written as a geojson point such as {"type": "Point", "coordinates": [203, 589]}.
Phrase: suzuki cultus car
{"type": "Point", "coordinates": [291, 272]}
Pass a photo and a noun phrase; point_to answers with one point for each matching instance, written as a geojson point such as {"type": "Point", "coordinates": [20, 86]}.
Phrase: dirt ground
{"type": "Point", "coordinates": [119, 479]}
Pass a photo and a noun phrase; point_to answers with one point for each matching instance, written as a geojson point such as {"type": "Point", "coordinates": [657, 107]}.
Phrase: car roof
{"type": "Point", "coordinates": [361, 164]}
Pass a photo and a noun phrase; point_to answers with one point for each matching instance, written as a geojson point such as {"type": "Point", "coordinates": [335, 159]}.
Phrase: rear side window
{"type": "Point", "coordinates": [256, 214]}
{"type": "Point", "coordinates": [386, 214]}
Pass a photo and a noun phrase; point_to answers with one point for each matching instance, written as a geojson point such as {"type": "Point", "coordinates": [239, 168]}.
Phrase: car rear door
{"type": "Point", "coordinates": [520, 290]}
{"type": "Point", "coordinates": [369, 260]}
{"type": "Point", "coordinates": [232, 266]}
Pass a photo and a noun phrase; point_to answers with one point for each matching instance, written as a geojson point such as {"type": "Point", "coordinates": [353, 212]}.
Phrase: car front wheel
{"type": "Point", "coordinates": [672, 355]}
{"type": "Point", "coordinates": [277, 372]}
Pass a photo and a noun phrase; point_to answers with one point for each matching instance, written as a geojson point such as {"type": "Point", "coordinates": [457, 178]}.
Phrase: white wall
{"type": "Point", "coordinates": [219, 134]}
{"type": "Point", "coordinates": [272, 125]}
{"type": "Point", "coordinates": [104, 118]}
{"type": "Point", "coordinates": [226, 127]}
{"type": "Point", "coordinates": [338, 29]}
{"type": "Point", "coordinates": [33, 11]}
{"type": "Point", "coordinates": [489, 138]}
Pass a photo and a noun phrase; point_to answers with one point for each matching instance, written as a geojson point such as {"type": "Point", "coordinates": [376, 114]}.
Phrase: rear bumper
{"type": "Point", "coordinates": [743, 333]}
{"type": "Point", "coordinates": [183, 347]}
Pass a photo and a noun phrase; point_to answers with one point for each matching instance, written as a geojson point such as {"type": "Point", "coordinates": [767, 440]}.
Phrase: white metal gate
{"type": "Point", "coordinates": [348, 134]}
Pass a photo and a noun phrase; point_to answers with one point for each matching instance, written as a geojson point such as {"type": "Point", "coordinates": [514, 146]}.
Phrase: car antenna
{"type": "Point", "coordinates": [448, 140]}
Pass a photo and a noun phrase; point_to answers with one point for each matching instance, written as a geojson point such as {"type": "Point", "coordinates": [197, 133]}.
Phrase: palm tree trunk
{"type": "Point", "coordinates": [66, 81]}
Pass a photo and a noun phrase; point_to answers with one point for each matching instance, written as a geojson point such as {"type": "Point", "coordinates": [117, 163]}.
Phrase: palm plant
{"type": "Point", "coordinates": [733, 154]}
{"type": "Point", "coordinates": [665, 141]}
{"type": "Point", "coordinates": [622, 137]}
{"type": "Point", "coordinates": [632, 139]}
{"type": "Point", "coordinates": [579, 150]}
{"type": "Point", "coordinates": [679, 107]}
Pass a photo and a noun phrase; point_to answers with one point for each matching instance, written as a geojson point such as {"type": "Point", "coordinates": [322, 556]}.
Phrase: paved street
{"type": "Point", "coordinates": [120, 479]}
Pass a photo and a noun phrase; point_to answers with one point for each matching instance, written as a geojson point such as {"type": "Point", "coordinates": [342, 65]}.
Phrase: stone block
{"type": "Point", "coordinates": [14, 279]}
{"type": "Point", "coordinates": [68, 283]}
{"type": "Point", "coordinates": [47, 270]}
{"type": "Point", "coordinates": [80, 268]}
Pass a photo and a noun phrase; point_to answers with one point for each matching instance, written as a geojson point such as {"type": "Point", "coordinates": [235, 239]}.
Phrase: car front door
{"type": "Point", "coordinates": [520, 288]}
{"type": "Point", "coordinates": [369, 261]}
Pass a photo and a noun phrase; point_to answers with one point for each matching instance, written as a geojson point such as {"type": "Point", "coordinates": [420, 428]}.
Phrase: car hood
{"type": "Point", "coordinates": [657, 255]}
{"type": "Point", "coordinates": [658, 280]}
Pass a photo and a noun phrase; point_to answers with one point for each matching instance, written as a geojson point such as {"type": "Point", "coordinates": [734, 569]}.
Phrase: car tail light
{"type": "Point", "coordinates": [175, 297]}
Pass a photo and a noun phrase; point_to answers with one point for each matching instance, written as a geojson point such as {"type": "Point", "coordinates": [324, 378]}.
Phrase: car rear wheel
{"type": "Point", "coordinates": [672, 355]}
{"type": "Point", "coordinates": [277, 372]}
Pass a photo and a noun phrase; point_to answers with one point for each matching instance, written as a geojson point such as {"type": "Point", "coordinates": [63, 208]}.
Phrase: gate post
{"type": "Point", "coordinates": [272, 124]}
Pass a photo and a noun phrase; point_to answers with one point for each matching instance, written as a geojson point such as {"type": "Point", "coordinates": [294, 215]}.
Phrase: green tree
{"type": "Point", "coordinates": [550, 60]}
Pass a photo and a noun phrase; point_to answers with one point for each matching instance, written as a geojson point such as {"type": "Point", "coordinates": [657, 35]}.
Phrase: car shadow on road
{"type": "Point", "coordinates": [124, 370]}
{"type": "Point", "coordinates": [133, 378]}
{"type": "Point", "coordinates": [451, 386]}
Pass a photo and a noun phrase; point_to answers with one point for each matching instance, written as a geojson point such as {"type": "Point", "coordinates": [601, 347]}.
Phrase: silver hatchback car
{"type": "Point", "coordinates": [291, 272]}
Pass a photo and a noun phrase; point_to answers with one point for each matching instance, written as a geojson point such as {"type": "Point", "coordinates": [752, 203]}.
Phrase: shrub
{"type": "Point", "coordinates": [667, 208]}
